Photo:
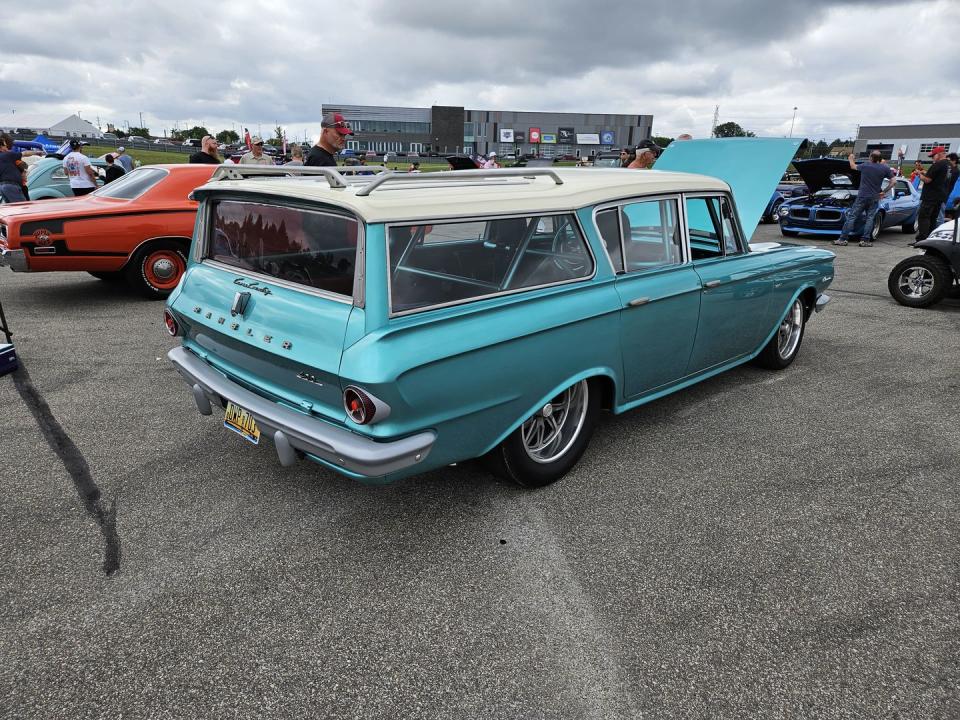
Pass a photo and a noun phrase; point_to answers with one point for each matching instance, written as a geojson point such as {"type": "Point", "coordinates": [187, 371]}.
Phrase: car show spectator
{"type": "Point", "coordinates": [915, 175]}
{"type": "Point", "coordinates": [491, 161]}
{"type": "Point", "coordinates": [625, 158]}
{"type": "Point", "coordinates": [12, 176]}
{"type": "Point", "coordinates": [82, 176]}
{"type": "Point", "coordinates": [413, 167]}
{"type": "Point", "coordinates": [934, 192]}
{"type": "Point", "coordinates": [684, 136]}
{"type": "Point", "coordinates": [333, 137]}
{"type": "Point", "coordinates": [864, 209]}
{"type": "Point", "coordinates": [207, 155]}
{"type": "Point", "coordinates": [126, 162]}
{"type": "Point", "coordinates": [256, 156]}
{"type": "Point", "coordinates": [114, 169]}
{"type": "Point", "coordinates": [949, 185]}
{"type": "Point", "coordinates": [644, 159]}
{"type": "Point", "coordinates": [296, 156]}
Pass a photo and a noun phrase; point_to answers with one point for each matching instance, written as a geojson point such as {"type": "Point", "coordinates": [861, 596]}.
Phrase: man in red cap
{"type": "Point", "coordinates": [333, 137]}
{"type": "Point", "coordinates": [934, 192]}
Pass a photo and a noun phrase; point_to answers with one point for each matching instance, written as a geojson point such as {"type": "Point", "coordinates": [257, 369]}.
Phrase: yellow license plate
{"type": "Point", "coordinates": [241, 422]}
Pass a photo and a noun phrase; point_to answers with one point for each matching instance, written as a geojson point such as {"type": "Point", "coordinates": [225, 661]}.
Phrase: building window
{"type": "Point", "coordinates": [927, 147]}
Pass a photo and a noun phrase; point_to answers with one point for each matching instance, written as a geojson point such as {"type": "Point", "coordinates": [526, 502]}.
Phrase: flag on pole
{"type": "Point", "coordinates": [246, 137]}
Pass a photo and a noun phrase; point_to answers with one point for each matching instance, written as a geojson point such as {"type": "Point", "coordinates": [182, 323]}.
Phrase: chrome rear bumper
{"type": "Point", "coordinates": [14, 259]}
{"type": "Point", "coordinates": [822, 300]}
{"type": "Point", "coordinates": [291, 430]}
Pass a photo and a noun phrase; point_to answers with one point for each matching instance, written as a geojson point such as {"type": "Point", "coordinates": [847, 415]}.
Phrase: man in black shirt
{"type": "Point", "coordinates": [934, 192]}
{"type": "Point", "coordinates": [114, 169]}
{"type": "Point", "coordinates": [208, 152]}
{"type": "Point", "coordinates": [333, 137]}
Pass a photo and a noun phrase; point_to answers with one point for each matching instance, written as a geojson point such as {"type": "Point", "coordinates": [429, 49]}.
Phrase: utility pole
{"type": "Point", "coordinates": [794, 120]}
{"type": "Point", "coordinates": [716, 119]}
{"type": "Point", "coordinates": [141, 119]}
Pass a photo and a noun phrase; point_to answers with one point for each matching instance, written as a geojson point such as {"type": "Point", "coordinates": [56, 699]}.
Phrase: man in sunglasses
{"type": "Point", "coordinates": [333, 137]}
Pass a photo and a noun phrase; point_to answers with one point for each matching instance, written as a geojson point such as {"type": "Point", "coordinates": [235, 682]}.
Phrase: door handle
{"type": "Point", "coordinates": [637, 302]}
{"type": "Point", "coordinates": [713, 284]}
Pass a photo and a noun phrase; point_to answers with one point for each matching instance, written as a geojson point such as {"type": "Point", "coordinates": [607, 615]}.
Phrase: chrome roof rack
{"type": "Point", "coordinates": [334, 176]}
{"type": "Point", "coordinates": [442, 177]}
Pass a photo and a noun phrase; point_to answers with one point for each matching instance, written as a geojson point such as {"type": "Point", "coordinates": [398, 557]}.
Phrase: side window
{"type": "Point", "coordinates": [59, 174]}
{"type": "Point", "coordinates": [713, 232]}
{"type": "Point", "coordinates": [446, 263]}
{"type": "Point", "coordinates": [609, 226]}
{"type": "Point", "coordinates": [903, 187]}
{"type": "Point", "coordinates": [651, 234]}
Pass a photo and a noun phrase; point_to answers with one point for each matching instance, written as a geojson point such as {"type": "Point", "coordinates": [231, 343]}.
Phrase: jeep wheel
{"type": "Point", "coordinates": [785, 343]}
{"type": "Point", "coordinates": [550, 442]}
{"type": "Point", "coordinates": [157, 268]}
{"type": "Point", "coordinates": [919, 281]}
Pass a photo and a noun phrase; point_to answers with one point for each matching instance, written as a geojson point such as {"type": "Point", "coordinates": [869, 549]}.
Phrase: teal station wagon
{"type": "Point", "coordinates": [385, 325]}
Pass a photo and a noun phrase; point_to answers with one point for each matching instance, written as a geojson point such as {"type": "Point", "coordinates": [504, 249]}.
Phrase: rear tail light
{"type": "Point", "coordinates": [171, 323]}
{"type": "Point", "coordinates": [359, 406]}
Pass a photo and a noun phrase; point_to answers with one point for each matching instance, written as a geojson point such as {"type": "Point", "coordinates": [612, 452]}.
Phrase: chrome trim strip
{"type": "Point", "coordinates": [337, 446]}
{"type": "Point", "coordinates": [468, 175]}
{"type": "Point", "coordinates": [481, 218]}
{"type": "Point", "coordinates": [277, 281]}
{"type": "Point", "coordinates": [822, 300]}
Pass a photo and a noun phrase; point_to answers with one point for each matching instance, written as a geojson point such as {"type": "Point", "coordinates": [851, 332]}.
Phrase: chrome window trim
{"type": "Point", "coordinates": [681, 224]}
{"type": "Point", "coordinates": [482, 218]}
{"type": "Point", "coordinates": [742, 243]}
{"type": "Point", "coordinates": [359, 275]}
{"type": "Point", "coordinates": [166, 174]}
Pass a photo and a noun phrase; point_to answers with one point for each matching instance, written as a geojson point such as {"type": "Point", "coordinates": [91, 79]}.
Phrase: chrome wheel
{"type": "Point", "coordinates": [788, 336]}
{"type": "Point", "coordinates": [554, 428]}
{"type": "Point", "coordinates": [916, 282]}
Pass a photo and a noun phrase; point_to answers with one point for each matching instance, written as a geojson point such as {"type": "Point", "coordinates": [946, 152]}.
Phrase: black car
{"type": "Point", "coordinates": [924, 280]}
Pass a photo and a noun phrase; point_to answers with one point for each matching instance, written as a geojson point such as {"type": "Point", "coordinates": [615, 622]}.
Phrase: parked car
{"type": "Point", "coordinates": [387, 325]}
{"type": "Point", "coordinates": [192, 142]}
{"type": "Point", "coordinates": [925, 279]}
{"type": "Point", "coordinates": [607, 159]}
{"type": "Point", "coordinates": [832, 186]}
{"type": "Point", "coordinates": [462, 162]}
{"type": "Point", "coordinates": [112, 137]}
{"type": "Point", "coordinates": [136, 229]}
{"type": "Point", "coordinates": [47, 179]}
{"type": "Point", "coordinates": [138, 140]}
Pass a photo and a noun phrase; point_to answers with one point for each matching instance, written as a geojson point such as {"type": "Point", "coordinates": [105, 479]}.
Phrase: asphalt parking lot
{"type": "Point", "coordinates": [762, 545]}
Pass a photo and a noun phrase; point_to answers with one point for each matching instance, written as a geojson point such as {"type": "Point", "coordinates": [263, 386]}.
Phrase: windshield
{"type": "Point", "coordinates": [133, 184]}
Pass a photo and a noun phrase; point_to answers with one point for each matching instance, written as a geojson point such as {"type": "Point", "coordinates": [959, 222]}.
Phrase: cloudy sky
{"type": "Point", "coordinates": [244, 63]}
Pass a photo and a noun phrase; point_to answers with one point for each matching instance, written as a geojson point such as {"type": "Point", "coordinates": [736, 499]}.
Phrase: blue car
{"type": "Point", "coordinates": [833, 188]}
{"type": "Point", "coordinates": [47, 179]}
{"type": "Point", "coordinates": [389, 324]}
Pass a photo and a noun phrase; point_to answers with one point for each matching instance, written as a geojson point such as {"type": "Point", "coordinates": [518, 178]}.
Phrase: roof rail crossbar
{"type": "Point", "coordinates": [384, 178]}
{"type": "Point", "coordinates": [334, 176]}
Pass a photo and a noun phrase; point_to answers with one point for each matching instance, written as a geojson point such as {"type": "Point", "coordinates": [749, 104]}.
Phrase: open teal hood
{"type": "Point", "coordinates": [752, 167]}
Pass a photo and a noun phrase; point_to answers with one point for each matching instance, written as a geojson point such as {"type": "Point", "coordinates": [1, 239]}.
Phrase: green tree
{"type": "Point", "coordinates": [277, 139]}
{"type": "Point", "coordinates": [142, 132]}
{"type": "Point", "coordinates": [731, 129]}
{"type": "Point", "coordinates": [227, 136]}
{"type": "Point", "coordinates": [661, 140]}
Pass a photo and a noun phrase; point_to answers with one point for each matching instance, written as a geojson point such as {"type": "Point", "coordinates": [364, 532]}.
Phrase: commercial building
{"type": "Point", "coordinates": [452, 129]}
{"type": "Point", "coordinates": [916, 140]}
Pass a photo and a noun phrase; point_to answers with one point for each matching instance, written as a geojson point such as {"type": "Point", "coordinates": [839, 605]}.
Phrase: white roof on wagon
{"type": "Point", "coordinates": [403, 197]}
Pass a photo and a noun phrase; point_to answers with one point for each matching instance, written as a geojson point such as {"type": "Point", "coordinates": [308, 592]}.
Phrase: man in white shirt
{"type": "Point", "coordinates": [82, 176]}
{"type": "Point", "coordinates": [256, 156]}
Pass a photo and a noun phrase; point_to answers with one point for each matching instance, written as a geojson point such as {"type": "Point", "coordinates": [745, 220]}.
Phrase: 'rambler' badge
{"type": "Point", "coordinates": [42, 236]}
{"type": "Point", "coordinates": [252, 286]}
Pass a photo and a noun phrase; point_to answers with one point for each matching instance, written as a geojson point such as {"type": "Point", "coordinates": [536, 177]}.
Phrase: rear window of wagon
{"type": "Point", "coordinates": [306, 247]}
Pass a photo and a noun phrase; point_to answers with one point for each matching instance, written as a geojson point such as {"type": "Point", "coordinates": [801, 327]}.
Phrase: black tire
{"type": "Point", "coordinates": [920, 281]}
{"type": "Point", "coordinates": [784, 346]}
{"type": "Point", "coordinates": [511, 459]}
{"type": "Point", "coordinates": [108, 277]}
{"type": "Point", "coordinates": [789, 233]}
{"type": "Point", "coordinates": [908, 228]}
{"type": "Point", "coordinates": [144, 272]}
{"type": "Point", "coordinates": [877, 223]}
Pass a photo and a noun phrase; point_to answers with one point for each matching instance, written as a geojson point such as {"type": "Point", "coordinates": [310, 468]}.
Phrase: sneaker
{"type": "Point", "coordinates": [839, 241]}
{"type": "Point", "coordinates": [866, 243]}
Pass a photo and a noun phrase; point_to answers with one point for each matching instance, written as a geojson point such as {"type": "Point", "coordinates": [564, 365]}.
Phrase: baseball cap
{"type": "Point", "coordinates": [121, 148]}
{"type": "Point", "coordinates": [937, 149]}
{"type": "Point", "coordinates": [337, 122]}
{"type": "Point", "coordinates": [256, 140]}
{"type": "Point", "coordinates": [492, 153]}
{"type": "Point", "coordinates": [75, 143]}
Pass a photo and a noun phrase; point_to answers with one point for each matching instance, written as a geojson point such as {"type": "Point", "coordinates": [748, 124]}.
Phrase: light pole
{"type": "Point", "coordinates": [793, 121]}
{"type": "Point", "coordinates": [141, 119]}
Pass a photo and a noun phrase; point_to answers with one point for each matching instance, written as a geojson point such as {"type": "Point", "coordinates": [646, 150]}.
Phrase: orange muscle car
{"type": "Point", "coordinates": [137, 229]}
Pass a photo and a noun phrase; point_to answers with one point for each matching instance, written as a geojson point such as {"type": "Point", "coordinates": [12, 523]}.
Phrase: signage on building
{"type": "Point", "coordinates": [588, 138]}
{"type": "Point", "coordinates": [519, 136]}
{"type": "Point", "coordinates": [548, 138]}
{"type": "Point", "coordinates": [534, 135]}
{"type": "Point", "coordinates": [607, 137]}
{"type": "Point", "coordinates": [506, 135]}
{"type": "Point", "coordinates": [565, 135]}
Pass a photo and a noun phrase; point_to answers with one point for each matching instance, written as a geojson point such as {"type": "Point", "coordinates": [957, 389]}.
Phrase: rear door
{"type": "Point", "coordinates": [271, 296]}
